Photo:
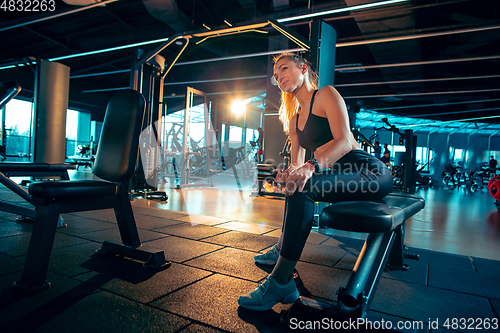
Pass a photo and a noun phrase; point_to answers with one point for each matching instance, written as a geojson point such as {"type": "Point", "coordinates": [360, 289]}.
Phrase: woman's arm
{"type": "Point", "coordinates": [297, 153]}
{"type": "Point", "coordinates": [331, 105]}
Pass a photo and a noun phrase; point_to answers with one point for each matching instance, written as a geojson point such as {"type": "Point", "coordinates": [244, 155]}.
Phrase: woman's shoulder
{"type": "Point", "coordinates": [328, 96]}
{"type": "Point", "coordinates": [328, 91]}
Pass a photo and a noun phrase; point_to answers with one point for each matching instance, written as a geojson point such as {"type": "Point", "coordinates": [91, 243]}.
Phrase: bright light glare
{"type": "Point", "coordinates": [238, 108]}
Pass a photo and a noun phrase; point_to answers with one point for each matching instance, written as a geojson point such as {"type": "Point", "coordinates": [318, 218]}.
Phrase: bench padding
{"type": "Point", "coordinates": [27, 167]}
{"type": "Point", "coordinates": [72, 189]}
{"type": "Point", "coordinates": [372, 216]}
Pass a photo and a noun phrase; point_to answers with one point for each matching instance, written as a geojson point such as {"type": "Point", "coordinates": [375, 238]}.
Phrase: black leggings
{"type": "Point", "coordinates": [356, 176]}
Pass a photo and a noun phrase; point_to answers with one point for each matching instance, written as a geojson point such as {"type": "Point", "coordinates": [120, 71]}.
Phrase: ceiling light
{"type": "Point", "coordinates": [228, 23]}
{"type": "Point", "coordinates": [238, 107]}
{"type": "Point", "coordinates": [340, 10]}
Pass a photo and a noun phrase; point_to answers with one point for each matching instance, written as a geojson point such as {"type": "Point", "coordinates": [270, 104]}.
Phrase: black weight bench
{"type": "Point", "coordinates": [385, 222]}
{"type": "Point", "coordinates": [114, 166]}
{"type": "Point", "coordinates": [25, 169]}
{"type": "Point", "coordinates": [22, 169]}
{"type": "Point", "coordinates": [36, 170]}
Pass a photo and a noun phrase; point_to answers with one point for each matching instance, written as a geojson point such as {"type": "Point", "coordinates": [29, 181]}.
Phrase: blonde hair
{"type": "Point", "coordinates": [289, 104]}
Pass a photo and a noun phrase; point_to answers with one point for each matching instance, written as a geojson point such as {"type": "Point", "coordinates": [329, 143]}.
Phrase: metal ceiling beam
{"type": "Point", "coordinates": [217, 80]}
{"type": "Point", "coordinates": [47, 38]}
{"type": "Point", "coordinates": [418, 81]}
{"type": "Point", "coordinates": [409, 37]}
{"type": "Point", "coordinates": [459, 128]}
{"type": "Point", "coordinates": [99, 74]}
{"type": "Point", "coordinates": [249, 55]}
{"type": "Point", "coordinates": [451, 121]}
{"type": "Point", "coordinates": [418, 63]}
{"type": "Point", "coordinates": [454, 112]}
{"type": "Point", "coordinates": [50, 17]}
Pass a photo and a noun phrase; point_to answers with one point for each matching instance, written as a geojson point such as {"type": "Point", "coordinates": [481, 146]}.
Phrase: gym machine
{"type": "Point", "coordinates": [22, 169]}
{"type": "Point", "coordinates": [409, 165]}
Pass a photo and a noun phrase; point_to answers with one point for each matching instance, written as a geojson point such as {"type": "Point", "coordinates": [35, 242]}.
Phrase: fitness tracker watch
{"type": "Point", "coordinates": [315, 163]}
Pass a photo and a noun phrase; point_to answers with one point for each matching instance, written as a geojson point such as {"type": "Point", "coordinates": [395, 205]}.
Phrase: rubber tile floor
{"type": "Point", "coordinates": [212, 264]}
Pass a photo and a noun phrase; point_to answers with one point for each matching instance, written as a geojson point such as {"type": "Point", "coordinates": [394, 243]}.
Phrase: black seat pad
{"type": "Point", "coordinates": [410, 203]}
{"type": "Point", "coordinates": [372, 216]}
{"type": "Point", "coordinates": [71, 189]}
{"type": "Point", "coordinates": [27, 166]}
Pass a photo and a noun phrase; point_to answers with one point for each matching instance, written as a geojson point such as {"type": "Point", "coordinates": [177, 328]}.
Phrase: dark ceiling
{"type": "Point", "coordinates": [436, 59]}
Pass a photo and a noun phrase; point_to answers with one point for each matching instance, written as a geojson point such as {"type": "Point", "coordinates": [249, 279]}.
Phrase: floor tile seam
{"type": "Point", "coordinates": [247, 232]}
{"type": "Point", "coordinates": [17, 235]}
{"type": "Point", "coordinates": [9, 256]}
{"type": "Point", "coordinates": [268, 232]}
{"type": "Point", "coordinates": [444, 289]}
{"type": "Point", "coordinates": [11, 218]}
{"type": "Point", "coordinates": [202, 255]}
{"type": "Point", "coordinates": [398, 317]}
{"type": "Point", "coordinates": [144, 209]}
{"type": "Point", "coordinates": [115, 223]}
{"type": "Point", "coordinates": [11, 272]}
{"type": "Point", "coordinates": [204, 223]}
{"type": "Point", "coordinates": [166, 226]}
{"type": "Point", "coordinates": [427, 275]}
{"type": "Point", "coordinates": [187, 238]}
{"type": "Point", "coordinates": [20, 203]}
{"type": "Point", "coordinates": [120, 261]}
{"type": "Point", "coordinates": [224, 274]}
{"type": "Point", "coordinates": [149, 303]}
{"type": "Point", "coordinates": [487, 297]}
{"type": "Point", "coordinates": [204, 240]}
{"type": "Point", "coordinates": [454, 255]}
{"type": "Point", "coordinates": [472, 263]}
{"type": "Point", "coordinates": [324, 265]}
{"type": "Point", "coordinates": [330, 266]}
{"type": "Point", "coordinates": [493, 309]}
{"type": "Point", "coordinates": [223, 230]}
{"type": "Point", "coordinates": [79, 232]}
{"type": "Point", "coordinates": [160, 217]}
{"type": "Point", "coordinates": [90, 218]}
{"type": "Point", "coordinates": [146, 304]}
{"type": "Point", "coordinates": [57, 248]}
{"type": "Point", "coordinates": [191, 320]}
{"type": "Point", "coordinates": [222, 233]}
{"type": "Point", "coordinates": [80, 237]}
{"type": "Point", "coordinates": [73, 245]}
{"type": "Point", "coordinates": [153, 239]}
{"type": "Point", "coordinates": [217, 224]}
{"type": "Point", "coordinates": [404, 280]}
{"type": "Point", "coordinates": [329, 237]}
{"type": "Point", "coordinates": [175, 218]}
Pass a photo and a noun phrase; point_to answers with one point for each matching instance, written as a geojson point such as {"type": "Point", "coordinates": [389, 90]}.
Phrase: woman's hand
{"type": "Point", "coordinates": [282, 175]}
{"type": "Point", "coordinates": [297, 178]}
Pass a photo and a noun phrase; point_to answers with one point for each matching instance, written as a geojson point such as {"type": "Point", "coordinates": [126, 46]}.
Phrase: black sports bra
{"type": "Point", "coordinates": [316, 131]}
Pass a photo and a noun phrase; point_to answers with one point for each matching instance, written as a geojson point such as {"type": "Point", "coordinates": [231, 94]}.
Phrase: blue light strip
{"type": "Point", "coordinates": [341, 10]}
{"type": "Point", "coordinates": [117, 48]}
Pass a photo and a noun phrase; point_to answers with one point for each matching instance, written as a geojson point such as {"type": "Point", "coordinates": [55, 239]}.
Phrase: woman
{"type": "Point", "coordinates": [316, 120]}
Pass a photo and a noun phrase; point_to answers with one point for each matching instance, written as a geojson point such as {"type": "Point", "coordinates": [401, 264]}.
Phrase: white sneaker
{"type": "Point", "coordinates": [268, 294]}
{"type": "Point", "coordinates": [268, 258]}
